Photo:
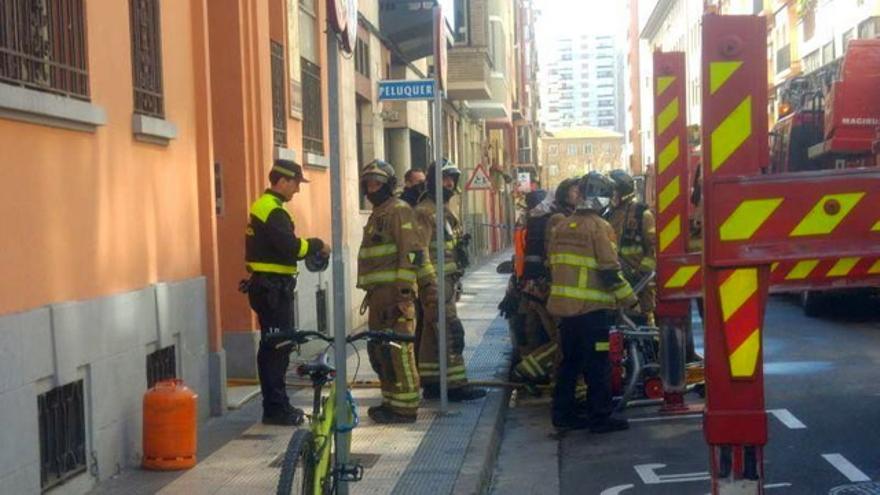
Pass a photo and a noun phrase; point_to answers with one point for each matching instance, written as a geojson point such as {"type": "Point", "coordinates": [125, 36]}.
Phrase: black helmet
{"type": "Point", "coordinates": [623, 182]}
{"type": "Point", "coordinates": [317, 262]}
{"type": "Point", "coordinates": [596, 190]}
{"type": "Point", "coordinates": [381, 171]}
{"type": "Point", "coordinates": [562, 190]}
{"type": "Point", "coordinates": [534, 198]}
{"type": "Point", "coordinates": [448, 169]}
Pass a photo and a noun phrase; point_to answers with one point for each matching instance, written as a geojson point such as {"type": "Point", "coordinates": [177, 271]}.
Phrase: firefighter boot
{"type": "Point", "coordinates": [384, 415]}
{"type": "Point", "coordinates": [466, 393]}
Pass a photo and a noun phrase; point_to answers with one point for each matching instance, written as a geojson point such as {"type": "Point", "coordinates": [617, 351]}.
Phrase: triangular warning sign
{"type": "Point", "coordinates": [479, 181]}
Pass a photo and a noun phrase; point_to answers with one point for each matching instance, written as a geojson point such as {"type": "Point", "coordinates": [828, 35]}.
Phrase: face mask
{"type": "Point", "coordinates": [379, 197]}
{"type": "Point", "coordinates": [603, 201]}
{"type": "Point", "coordinates": [447, 194]}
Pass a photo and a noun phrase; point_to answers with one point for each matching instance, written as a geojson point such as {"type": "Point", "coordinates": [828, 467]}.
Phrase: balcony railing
{"type": "Point", "coordinates": [783, 58]}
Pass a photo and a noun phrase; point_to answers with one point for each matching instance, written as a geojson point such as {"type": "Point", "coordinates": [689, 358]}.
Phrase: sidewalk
{"type": "Point", "coordinates": [438, 455]}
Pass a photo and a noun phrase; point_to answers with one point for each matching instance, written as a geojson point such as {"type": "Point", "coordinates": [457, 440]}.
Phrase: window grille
{"type": "Point", "coordinates": [146, 58]}
{"type": "Point", "coordinates": [43, 46]}
{"type": "Point", "coordinates": [161, 365]}
{"type": "Point", "coordinates": [279, 106]}
{"type": "Point", "coordinates": [62, 434]}
{"type": "Point", "coordinates": [313, 120]}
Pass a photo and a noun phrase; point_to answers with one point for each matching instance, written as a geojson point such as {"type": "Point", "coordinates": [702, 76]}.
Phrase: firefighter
{"type": "Point", "coordinates": [391, 253]}
{"type": "Point", "coordinates": [635, 228]}
{"type": "Point", "coordinates": [538, 365]}
{"type": "Point", "coordinates": [429, 366]}
{"type": "Point", "coordinates": [587, 285]}
{"type": "Point", "coordinates": [413, 186]}
{"type": "Point", "coordinates": [271, 252]}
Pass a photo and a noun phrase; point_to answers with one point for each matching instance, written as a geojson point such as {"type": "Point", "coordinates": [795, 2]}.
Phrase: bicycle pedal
{"type": "Point", "coordinates": [350, 472]}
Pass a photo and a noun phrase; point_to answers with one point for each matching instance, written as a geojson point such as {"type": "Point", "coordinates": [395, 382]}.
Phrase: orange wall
{"type": "Point", "coordinates": [87, 215]}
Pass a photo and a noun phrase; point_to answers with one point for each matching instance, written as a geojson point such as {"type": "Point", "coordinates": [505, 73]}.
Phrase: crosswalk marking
{"type": "Point", "coordinates": [846, 468]}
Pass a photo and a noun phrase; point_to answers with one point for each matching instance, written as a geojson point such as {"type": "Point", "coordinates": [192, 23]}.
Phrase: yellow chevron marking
{"type": "Point", "coordinates": [802, 270]}
{"type": "Point", "coordinates": [745, 357]}
{"type": "Point", "coordinates": [670, 233]}
{"type": "Point", "coordinates": [663, 83]}
{"type": "Point", "coordinates": [720, 72]}
{"type": "Point", "coordinates": [668, 155]}
{"type": "Point", "coordinates": [774, 266]}
{"type": "Point", "coordinates": [731, 133]}
{"type": "Point", "coordinates": [670, 193]}
{"type": "Point", "coordinates": [667, 116]}
{"type": "Point", "coordinates": [748, 218]}
{"type": "Point", "coordinates": [820, 222]}
{"type": "Point", "coordinates": [875, 268]}
{"type": "Point", "coordinates": [876, 227]}
{"type": "Point", "coordinates": [682, 276]}
{"type": "Point", "coordinates": [842, 267]}
{"type": "Point", "coordinates": [737, 289]}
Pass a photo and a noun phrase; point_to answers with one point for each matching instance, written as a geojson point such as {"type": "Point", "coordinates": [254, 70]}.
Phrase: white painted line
{"type": "Point", "coordinates": [777, 485]}
{"type": "Point", "coordinates": [665, 418]}
{"type": "Point", "coordinates": [616, 490]}
{"type": "Point", "coordinates": [846, 468]}
{"type": "Point", "coordinates": [787, 418]}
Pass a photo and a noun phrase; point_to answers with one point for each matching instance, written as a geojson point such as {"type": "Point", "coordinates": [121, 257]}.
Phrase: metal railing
{"type": "Point", "coordinates": [43, 46]}
{"type": "Point", "coordinates": [146, 58]}
{"type": "Point", "coordinates": [279, 107]}
{"type": "Point", "coordinates": [313, 120]}
{"type": "Point", "coordinates": [62, 434]}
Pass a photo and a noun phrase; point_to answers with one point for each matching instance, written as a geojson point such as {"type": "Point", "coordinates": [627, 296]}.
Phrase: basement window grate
{"type": "Point", "coordinates": [161, 365]}
{"type": "Point", "coordinates": [62, 434]}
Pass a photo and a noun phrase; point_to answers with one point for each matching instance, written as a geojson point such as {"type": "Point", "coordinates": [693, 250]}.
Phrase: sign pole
{"type": "Point", "coordinates": [440, 227]}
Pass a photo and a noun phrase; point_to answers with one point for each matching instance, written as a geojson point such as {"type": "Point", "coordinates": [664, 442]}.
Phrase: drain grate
{"type": "Point", "coordinates": [857, 489]}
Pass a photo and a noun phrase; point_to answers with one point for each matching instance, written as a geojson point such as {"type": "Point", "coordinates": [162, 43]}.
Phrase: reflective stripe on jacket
{"type": "Point", "coordinates": [271, 245]}
{"type": "Point", "coordinates": [387, 253]}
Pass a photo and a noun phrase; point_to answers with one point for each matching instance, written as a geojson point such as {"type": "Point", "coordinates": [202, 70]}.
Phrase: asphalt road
{"type": "Point", "coordinates": [823, 393]}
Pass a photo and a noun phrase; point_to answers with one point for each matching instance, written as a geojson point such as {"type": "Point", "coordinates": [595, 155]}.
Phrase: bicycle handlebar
{"type": "Point", "coordinates": [302, 336]}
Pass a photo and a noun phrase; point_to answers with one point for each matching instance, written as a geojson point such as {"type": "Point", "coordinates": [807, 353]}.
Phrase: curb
{"type": "Point", "coordinates": [478, 466]}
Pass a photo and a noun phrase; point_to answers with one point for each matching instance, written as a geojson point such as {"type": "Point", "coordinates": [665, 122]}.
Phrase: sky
{"type": "Point", "coordinates": [567, 17]}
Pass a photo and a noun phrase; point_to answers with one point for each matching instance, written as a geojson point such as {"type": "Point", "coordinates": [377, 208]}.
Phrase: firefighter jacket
{"type": "Point", "coordinates": [392, 251]}
{"type": "Point", "coordinates": [584, 269]}
{"type": "Point", "coordinates": [271, 244]}
{"type": "Point", "coordinates": [537, 230]}
{"type": "Point", "coordinates": [425, 216]}
{"type": "Point", "coordinates": [635, 228]}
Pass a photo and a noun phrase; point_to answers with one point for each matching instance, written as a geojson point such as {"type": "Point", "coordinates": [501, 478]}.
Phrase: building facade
{"type": "Point", "coordinates": [584, 83]}
{"type": "Point", "coordinates": [575, 151]}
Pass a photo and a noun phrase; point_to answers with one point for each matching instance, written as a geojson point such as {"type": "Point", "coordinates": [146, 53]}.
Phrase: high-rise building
{"type": "Point", "coordinates": [583, 83]}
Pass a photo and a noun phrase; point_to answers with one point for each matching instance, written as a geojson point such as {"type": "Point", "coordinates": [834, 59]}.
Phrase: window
{"type": "Point", "coordinates": [321, 310]}
{"type": "Point", "coordinates": [161, 365]}
{"type": "Point", "coordinates": [313, 118]}
{"type": "Point", "coordinates": [362, 57]}
{"type": "Point", "coordinates": [553, 170]}
{"type": "Point", "coordinates": [757, 6]}
{"type": "Point", "coordinates": [572, 149]}
{"type": "Point", "coordinates": [781, 41]}
{"type": "Point", "coordinates": [552, 150]}
{"type": "Point", "coordinates": [812, 61]}
{"type": "Point", "coordinates": [828, 53]}
{"type": "Point", "coordinates": [588, 149]}
{"type": "Point", "coordinates": [146, 58]}
{"type": "Point", "coordinates": [62, 428]}
{"type": "Point", "coordinates": [870, 28]}
{"type": "Point", "coordinates": [43, 46]}
{"type": "Point", "coordinates": [809, 19]}
{"type": "Point", "coordinates": [462, 26]}
{"type": "Point", "coordinates": [279, 107]}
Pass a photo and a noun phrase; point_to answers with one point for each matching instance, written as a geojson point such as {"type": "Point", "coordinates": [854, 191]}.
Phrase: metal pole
{"type": "Point", "coordinates": [340, 302]}
{"type": "Point", "coordinates": [440, 222]}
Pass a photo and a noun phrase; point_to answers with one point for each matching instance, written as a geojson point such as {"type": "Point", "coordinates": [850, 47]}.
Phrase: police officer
{"type": "Point", "coordinates": [413, 186]}
{"type": "Point", "coordinates": [586, 287]}
{"type": "Point", "coordinates": [272, 250]}
{"type": "Point", "coordinates": [391, 253]}
{"type": "Point", "coordinates": [635, 228]}
{"type": "Point", "coordinates": [429, 366]}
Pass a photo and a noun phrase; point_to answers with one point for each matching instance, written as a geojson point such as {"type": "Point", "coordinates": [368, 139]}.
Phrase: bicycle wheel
{"type": "Point", "coordinates": [298, 467]}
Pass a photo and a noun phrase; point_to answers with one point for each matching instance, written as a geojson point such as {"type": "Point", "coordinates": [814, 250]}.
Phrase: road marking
{"type": "Point", "coordinates": [787, 418]}
{"type": "Point", "coordinates": [772, 486]}
{"type": "Point", "coordinates": [649, 477]}
{"type": "Point", "coordinates": [665, 418]}
{"type": "Point", "coordinates": [616, 490]}
{"type": "Point", "coordinates": [845, 467]}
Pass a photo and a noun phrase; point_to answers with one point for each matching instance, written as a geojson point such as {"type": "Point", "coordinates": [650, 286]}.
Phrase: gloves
{"type": "Point", "coordinates": [509, 306]}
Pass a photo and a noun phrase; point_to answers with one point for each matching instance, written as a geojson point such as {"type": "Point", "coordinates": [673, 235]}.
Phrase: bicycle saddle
{"type": "Point", "coordinates": [318, 367]}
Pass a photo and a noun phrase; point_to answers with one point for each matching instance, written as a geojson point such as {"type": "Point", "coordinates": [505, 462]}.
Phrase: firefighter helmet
{"type": "Point", "coordinates": [623, 182]}
{"type": "Point", "coordinates": [381, 171]}
{"type": "Point", "coordinates": [317, 262]}
{"type": "Point", "coordinates": [448, 169]}
{"type": "Point", "coordinates": [596, 190]}
{"type": "Point", "coordinates": [561, 195]}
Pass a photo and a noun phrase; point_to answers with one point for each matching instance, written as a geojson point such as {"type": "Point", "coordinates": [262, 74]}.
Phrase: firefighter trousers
{"type": "Point", "coordinates": [392, 309]}
{"type": "Point", "coordinates": [429, 365]}
{"type": "Point", "coordinates": [271, 297]}
{"type": "Point", "coordinates": [584, 344]}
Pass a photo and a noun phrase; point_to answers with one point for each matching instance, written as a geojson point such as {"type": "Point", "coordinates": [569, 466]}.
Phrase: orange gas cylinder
{"type": "Point", "coordinates": [170, 426]}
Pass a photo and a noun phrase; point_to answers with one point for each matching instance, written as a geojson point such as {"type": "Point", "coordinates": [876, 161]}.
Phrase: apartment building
{"type": "Point", "coordinates": [572, 152]}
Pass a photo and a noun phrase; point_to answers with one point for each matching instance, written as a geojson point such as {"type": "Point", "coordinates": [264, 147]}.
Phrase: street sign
{"type": "Point", "coordinates": [419, 89]}
{"type": "Point", "coordinates": [479, 181]}
{"type": "Point", "coordinates": [524, 182]}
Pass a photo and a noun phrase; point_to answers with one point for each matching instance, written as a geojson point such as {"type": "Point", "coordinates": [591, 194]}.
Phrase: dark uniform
{"type": "Point", "coordinates": [272, 250]}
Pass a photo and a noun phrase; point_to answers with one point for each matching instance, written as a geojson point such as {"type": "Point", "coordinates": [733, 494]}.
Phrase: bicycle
{"type": "Point", "coordinates": [311, 454]}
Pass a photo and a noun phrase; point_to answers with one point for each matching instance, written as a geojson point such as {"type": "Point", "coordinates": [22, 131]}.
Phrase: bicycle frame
{"type": "Point", "coordinates": [324, 429]}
